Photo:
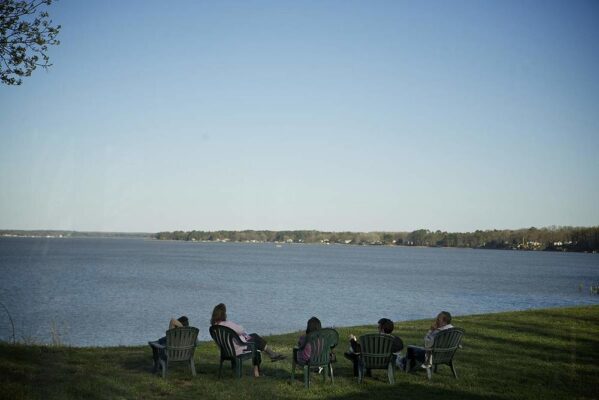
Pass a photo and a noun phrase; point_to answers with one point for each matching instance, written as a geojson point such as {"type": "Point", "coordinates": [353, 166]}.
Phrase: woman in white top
{"type": "Point", "coordinates": [416, 354]}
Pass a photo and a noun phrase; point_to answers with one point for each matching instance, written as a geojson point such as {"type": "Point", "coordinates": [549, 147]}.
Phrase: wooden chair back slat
{"type": "Point", "coordinates": [375, 350]}
{"type": "Point", "coordinates": [321, 342]}
{"type": "Point", "coordinates": [445, 345]}
{"type": "Point", "coordinates": [226, 338]}
{"type": "Point", "coordinates": [181, 343]}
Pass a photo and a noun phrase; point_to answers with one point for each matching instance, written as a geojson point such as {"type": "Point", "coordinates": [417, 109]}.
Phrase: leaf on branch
{"type": "Point", "coordinates": [25, 33]}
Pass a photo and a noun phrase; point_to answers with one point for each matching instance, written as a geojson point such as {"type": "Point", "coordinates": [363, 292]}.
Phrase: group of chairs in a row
{"type": "Point", "coordinates": [375, 351]}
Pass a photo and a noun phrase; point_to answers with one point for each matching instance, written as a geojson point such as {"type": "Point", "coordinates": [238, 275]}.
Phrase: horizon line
{"type": "Point", "coordinates": [549, 227]}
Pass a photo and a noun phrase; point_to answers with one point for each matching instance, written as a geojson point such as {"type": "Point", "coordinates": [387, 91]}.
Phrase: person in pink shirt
{"type": "Point", "coordinates": [219, 317]}
{"type": "Point", "coordinates": [303, 356]}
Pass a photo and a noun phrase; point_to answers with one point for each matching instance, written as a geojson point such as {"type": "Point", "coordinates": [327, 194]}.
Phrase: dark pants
{"type": "Point", "coordinates": [355, 359]}
{"type": "Point", "coordinates": [156, 352]}
{"type": "Point", "coordinates": [260, 345]}
{"type": "Point", "coordinates": [414, 354]}
{"type": "Point", "coordinates": [258, 341]}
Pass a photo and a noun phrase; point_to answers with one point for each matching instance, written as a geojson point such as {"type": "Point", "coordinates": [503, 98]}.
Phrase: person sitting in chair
{"type": "Point", "coordinates": [421, 355]}
{"type": "Point", "coordinates": [385, 326]}
{"type": "Point", "coordinates": [219, 317]}
{"type": "Point", "coordinates": [173, 323]}
{"type": "Point", "coordinates": [303, 356]}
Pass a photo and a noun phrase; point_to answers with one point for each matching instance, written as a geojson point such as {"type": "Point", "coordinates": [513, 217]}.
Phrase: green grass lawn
{"type": "Point", "coordinates": [540, 354]}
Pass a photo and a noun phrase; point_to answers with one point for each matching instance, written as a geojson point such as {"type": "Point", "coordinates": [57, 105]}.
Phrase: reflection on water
{"type": "Point", "coordinates": [100, 292]}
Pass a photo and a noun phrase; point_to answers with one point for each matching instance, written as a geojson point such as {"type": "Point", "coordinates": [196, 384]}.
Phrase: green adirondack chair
{"type": "Point", "coordinates": [446, 344]}
{"type": "Point", "coordinates": [376, 354]}
{"type": "Point", "coordinates": [225, 338]}
{"type": "Point", "coordinates": [321, 343]}
{"type": "Point", "coordinates": [180, 346]}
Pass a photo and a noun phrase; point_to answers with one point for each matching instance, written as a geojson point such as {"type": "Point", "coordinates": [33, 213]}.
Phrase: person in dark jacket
{"type": "Point", "coordinates": [385, 326]}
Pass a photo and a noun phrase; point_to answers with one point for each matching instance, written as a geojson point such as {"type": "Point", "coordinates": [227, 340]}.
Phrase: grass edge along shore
{"type": "Point", "coordinates": [535, 354]}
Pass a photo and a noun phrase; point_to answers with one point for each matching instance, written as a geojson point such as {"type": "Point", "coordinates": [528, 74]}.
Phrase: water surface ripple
{"type": "Point", "coordinates": [104, 292]}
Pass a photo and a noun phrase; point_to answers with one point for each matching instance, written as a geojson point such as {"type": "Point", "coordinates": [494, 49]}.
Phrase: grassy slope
{"type": "Point", "coordinates": [541, 354]}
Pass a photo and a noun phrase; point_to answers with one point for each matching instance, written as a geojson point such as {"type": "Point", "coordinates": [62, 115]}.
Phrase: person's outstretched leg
{"type": "Point", "coordinates": [262, 346]}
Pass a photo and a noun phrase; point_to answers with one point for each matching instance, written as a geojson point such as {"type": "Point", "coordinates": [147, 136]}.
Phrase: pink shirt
{"type": "Point", "coordinates": [303, 356]}
{"type": "Point", "coordinates": [243, 335]}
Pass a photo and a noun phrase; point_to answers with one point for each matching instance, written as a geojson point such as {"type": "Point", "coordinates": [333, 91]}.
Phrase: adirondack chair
{"type": "Point", "coordinates": [444, 347]}
{"type": "Point", "coordinates": [321, 343]}
{"type": "Point", "coordinates": [225, 338]}
{"type": "Point", "coordinates": [180, 346]}
{"type": "Point", "coordinates": [376, 354]}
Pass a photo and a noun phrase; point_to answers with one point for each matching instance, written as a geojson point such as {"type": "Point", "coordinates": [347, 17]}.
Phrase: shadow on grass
{"type": "Point", "coordinates": [408, 391]}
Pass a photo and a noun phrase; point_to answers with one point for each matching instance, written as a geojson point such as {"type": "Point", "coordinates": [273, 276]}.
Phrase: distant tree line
{"type": "Point", "coordinates": [550, 238]}
{"type": "Point", "coordinates": [72, 234]}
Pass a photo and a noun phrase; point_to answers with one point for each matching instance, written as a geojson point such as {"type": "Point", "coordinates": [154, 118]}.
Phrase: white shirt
{"type": "Point", "coordinates": [429, 339]}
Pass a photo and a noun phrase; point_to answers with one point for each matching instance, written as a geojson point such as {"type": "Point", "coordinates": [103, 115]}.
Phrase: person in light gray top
{"type": "Point", "coordinates": [421, 355]}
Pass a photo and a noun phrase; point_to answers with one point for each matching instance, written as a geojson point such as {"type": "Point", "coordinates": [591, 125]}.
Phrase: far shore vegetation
{"type": "Point", "coordinates": [563, 238]}
{"type": "Point", "coordinates": [536, 354]}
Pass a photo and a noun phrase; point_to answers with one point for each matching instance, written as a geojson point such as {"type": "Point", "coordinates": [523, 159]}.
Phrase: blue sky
{"type": "Point", "coordinates": [330, 115]}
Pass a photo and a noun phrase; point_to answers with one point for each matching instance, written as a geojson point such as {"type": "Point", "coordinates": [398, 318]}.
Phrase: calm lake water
{"type": "Point", "coordinates": [104, 292]}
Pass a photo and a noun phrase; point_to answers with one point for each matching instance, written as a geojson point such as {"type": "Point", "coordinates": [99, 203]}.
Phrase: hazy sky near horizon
{"type": "Point", "coordinates": [329, 115]}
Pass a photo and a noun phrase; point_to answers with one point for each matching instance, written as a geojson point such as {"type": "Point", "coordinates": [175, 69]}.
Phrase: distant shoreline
{"type": "Point", "coordinates": [563, 239]}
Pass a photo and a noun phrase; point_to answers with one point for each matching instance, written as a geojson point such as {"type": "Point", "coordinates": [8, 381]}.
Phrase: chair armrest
{"type": "Point", "coordinates": [251, 346]}
{"type": "Point", "coordinates": [157, 345]}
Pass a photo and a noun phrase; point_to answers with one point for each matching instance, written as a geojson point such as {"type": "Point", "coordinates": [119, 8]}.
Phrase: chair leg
{"type": "Point", "coordinates": [455, 373]}
{"type": "Point", "coordinates": [293, 365]}
{"type": "Point", "coordinates": [164, 366]}
{"type": "Point", "coordinates": [331, 371]}
{"type": "Point", "coordinates": [435, 370]}
{"type": "Point", "coordinates": [193, 367]}
{"type": "Point", "coordinates": [429, 373]}
{"type": "Point", "coordinates": [360, 374]}
{"type": "Point", "coordinates": [306, 376]}
{"type": "Point", "coordinates": [220, 369]}
{"type": "Point", "coordinates": [155, 359]}
{"type": "Point", "coordinates": [391, 373]}
{"type": "Point", "coordinates": [239, 365]}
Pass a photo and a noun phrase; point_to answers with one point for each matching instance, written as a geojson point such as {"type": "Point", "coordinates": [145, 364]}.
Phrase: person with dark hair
{"type": "Point", "coordinates": [173, 323]}
{"type": "Point", "coordinates": [415, 354]}
{"type": "Point", "coordinates": [178, 323]}
{"type": "Point", "coordinates": [304, 356]}
{"type": "Point", "coordinates": [385, 325]}
{"type": "Point", "coordinates": [219, 317]}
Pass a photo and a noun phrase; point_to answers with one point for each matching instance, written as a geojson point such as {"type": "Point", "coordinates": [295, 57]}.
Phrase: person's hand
{"type": "Point", "coordinates": [352, 337]}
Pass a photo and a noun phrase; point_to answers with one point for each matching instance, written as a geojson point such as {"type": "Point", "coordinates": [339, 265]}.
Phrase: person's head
{"type": "Point", "coordinates": [219, 314]}
{"type": "Point", "coordinates": [184, 321]}
{"type": "Point", "coordinates": [313, 325]}
{"type": "Point", "coordinates": [385, 325]}
{"type": "Point", "coordinates": [444, 318]}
